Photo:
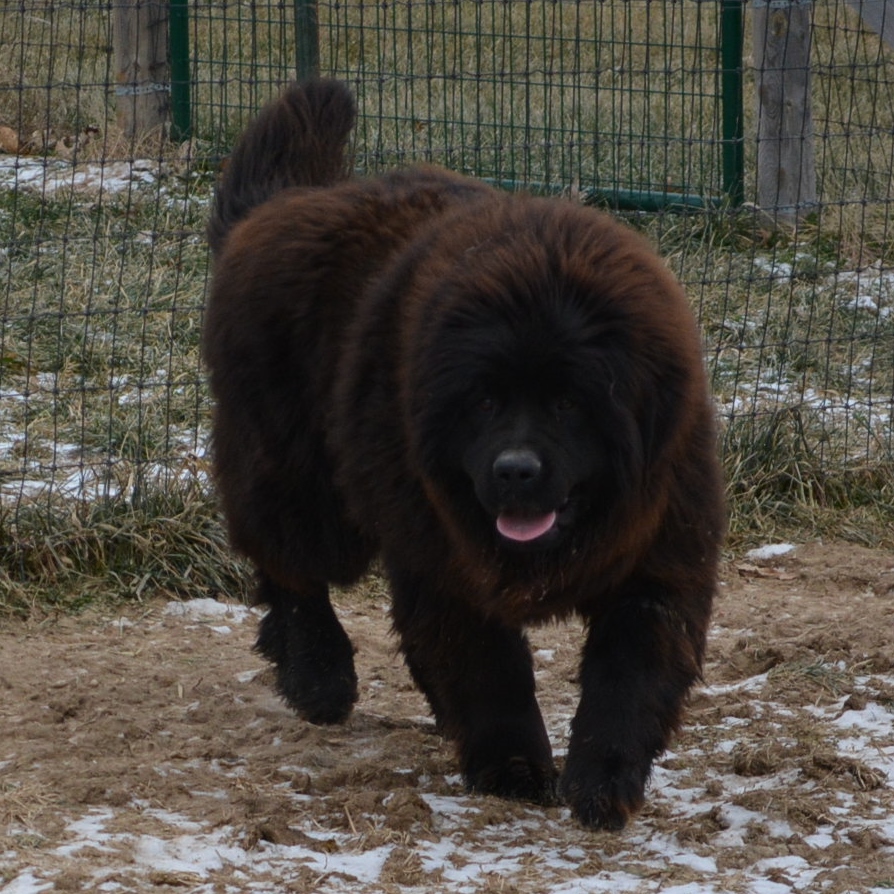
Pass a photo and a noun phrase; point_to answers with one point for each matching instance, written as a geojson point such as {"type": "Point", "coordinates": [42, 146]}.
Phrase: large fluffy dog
{"type": "Point", "coordinates": [503, 396]}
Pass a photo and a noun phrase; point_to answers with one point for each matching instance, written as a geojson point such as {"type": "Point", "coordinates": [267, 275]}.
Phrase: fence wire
{"type": "Point", "coordinates": [103, 405]}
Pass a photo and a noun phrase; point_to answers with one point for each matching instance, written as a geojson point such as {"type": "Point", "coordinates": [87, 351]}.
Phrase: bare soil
{"type": "Point", "coordinates": [144, 750]}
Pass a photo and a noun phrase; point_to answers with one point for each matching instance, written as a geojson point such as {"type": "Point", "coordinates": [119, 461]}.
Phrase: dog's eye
{"type": "Point", "coordinates": [565, 405]}
{"type": "Point", "coordinates": [487, 406]}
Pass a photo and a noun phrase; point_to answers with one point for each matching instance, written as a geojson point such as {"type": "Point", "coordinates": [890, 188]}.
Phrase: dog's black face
{"type": "Point", "coordinates": [528, 455]}
{"type": "Point", "coordinates": [524, 422]}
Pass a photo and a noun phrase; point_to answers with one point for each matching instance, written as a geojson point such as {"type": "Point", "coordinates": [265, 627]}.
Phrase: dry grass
{"type": "Point", "coordinates": [103, 396]}
{"type": "Point", "coordinates": [104, 419]}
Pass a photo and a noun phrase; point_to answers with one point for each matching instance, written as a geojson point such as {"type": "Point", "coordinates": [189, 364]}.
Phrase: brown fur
{"type": "Point", "coordinates": [399, 361]}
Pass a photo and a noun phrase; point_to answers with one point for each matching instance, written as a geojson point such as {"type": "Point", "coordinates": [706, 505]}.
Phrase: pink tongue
{"type": "Point", "coordinates": [524, 528]}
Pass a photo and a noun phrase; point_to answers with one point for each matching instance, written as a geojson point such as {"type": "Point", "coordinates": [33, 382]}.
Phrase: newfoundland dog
{"type": "Point", "coordinates": [503, 398]}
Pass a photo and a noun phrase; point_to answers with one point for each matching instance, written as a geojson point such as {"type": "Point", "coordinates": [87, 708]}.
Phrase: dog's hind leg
{"type": "Point", "coordinates": [313, 655]}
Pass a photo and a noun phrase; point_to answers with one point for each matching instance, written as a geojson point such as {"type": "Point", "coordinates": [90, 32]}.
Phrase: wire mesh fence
{"type": "Point", "coordinates": [622, 96]}
{"type": "Point", "coordinates": [649, 106]}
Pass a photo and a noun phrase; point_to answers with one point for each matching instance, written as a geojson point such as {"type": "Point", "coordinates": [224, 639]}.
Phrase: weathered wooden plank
{"type": "Point", "coordinates": [141, 66]}
{"type": "Point", "coordinates": [785, 151]}
{"type": "Point", "coordinates": [878, 15]}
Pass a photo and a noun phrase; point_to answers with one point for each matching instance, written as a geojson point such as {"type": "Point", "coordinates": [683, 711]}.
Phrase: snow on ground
{"type": "Point", "coordinates": [197, 855]}
{"type": "Point", "coordinates": [707, 829]}
{"type": "Point", "coordinates": [769, 551]}
{"type": "Point", "coordinates": [50, 176]}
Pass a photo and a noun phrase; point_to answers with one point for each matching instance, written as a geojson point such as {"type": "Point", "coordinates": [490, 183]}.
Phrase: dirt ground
{"type": "Point", "coordinates": [145, 751]}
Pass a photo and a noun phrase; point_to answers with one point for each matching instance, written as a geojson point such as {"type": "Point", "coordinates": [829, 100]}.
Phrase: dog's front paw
{"type": "Point", "coordinates": [314, 668]}
{"type": "Point", "coordinates": [318, 698]}
{"type": "Point", "coordinates": [510, 759]}
{"type": "Point", "coordinates": [519, 778]}
{"type": "Point", "coordinates": [603, 795]}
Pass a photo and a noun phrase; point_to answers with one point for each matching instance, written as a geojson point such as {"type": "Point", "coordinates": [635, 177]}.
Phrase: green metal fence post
{"type": "Point", "coordinates": [307, 40]}
{"type": "Point", "coordinates": [732, 101]}
{"type": "Point", "coordinates": [181, 112]}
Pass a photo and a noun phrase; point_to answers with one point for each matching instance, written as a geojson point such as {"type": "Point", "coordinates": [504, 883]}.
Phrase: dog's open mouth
{"type": "Point", "coordinates": [529, 527]}
{"type": "Point", "coordinates": [524, 528]}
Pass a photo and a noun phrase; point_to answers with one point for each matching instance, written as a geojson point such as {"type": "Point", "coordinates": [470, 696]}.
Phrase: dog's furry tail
{"type": "Point", "coordinates": [298, 140]}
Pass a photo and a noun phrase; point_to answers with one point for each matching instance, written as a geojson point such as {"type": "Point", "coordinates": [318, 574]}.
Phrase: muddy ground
{"type": "Point", "coordinates": [143, 750]}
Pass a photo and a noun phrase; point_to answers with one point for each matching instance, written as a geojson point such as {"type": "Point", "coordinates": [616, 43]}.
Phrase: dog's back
{"type": "Point", "coordinates": [298, 141]}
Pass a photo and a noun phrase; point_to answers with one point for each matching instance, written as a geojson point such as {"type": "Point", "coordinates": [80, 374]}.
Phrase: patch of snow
{"type": "Point", "coordinates": [770, 551]}
{"type": "Point", "coordinates": [26, 883]}
{"type": "Point", "coordinates": [863, 302]}
{"type": "Point", "coordinates": [196, 854]}
{"type": "Point", "coordinates": [248, 676]}
{"type": "Point", "coordinates": [203, 609]}
{"type": "Point", "coordinates": [874, 719]}
{"type": "Point", "coordinates": [88, 831]}
{"type": "Point", "coordinates": [51, 175]}
{"type": "Point", "coordinates": [750, 685]}
{"type": "Point", "coordinates": [775, 270]}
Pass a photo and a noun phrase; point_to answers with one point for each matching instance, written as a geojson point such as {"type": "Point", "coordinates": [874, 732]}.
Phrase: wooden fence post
{"type": "Point", "coordinates": [786, 165]}
{"type": "Point", "coordinates": [878, 15]}
{"type": "Point", "coordinates": [307, 40]}
{"type": "Point", "coordinates": [142, 73]}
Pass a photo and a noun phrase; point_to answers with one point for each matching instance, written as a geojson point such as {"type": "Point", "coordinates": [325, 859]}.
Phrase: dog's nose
{"type": "Point", "coordinates": [517, 467]}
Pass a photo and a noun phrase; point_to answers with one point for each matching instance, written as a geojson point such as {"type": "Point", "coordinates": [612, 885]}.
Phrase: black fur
{"type": "Point", "coordinates": [500, 395]}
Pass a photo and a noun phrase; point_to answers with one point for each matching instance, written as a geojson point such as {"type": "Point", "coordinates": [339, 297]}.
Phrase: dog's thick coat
{"type": "Point", "coordinates": [504, 397]}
